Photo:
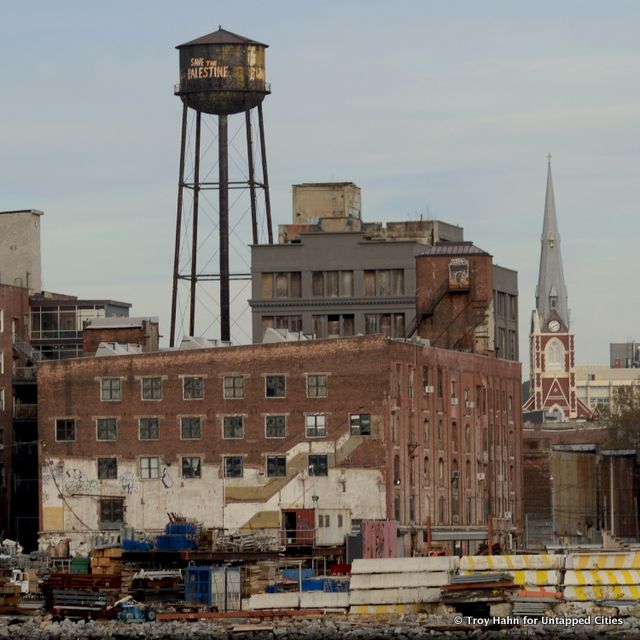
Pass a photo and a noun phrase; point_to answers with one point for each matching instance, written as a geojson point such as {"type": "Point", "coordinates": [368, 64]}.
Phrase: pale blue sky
{"type": "Point", "coordinates": [444, 109]}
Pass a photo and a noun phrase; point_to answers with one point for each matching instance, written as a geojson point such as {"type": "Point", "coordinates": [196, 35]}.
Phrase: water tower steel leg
{"type": "Point", "coordinates": [176, 258]}
{"type": "Point", "coordinates": [223, 165]}
{"type": "Point", "coordinates": [194, 238]}
{"type": "Point", "coordinates": [265, 175]}
{"type": "Point", "coordinates": [252, 183]}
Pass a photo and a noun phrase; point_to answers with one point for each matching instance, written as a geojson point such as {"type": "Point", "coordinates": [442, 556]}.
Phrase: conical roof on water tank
{"type": "Point", "coordinates": [222, 73]}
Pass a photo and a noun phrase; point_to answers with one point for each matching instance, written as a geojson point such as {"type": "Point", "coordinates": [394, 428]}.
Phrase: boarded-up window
{"type": "Point", "coordinates": [398, 325]}
{"type": "Point", "coordinates": [384, 284]}
{"type": "Point", "coordinates": [332, 284]}
{"type": "Point", "coordinates": [346, 284]}
{"type": "Point", "coordinates": [385, 324]}
{"type": "Point", "coordinates": [397, 281]}
{"type": "Point", "coordinates": [296, 284]}
{"type": "Point", "coordinates": [317, 283]}
{"type": "Point", "coordinates": [369, 283]}
{"type": "Point", "coordinates": [281, 285]}
{"type": "Point", "coordinates": [319, 324]}
{"type": "Point", "coordinates": [370, 323]}
{"type": "Point", "coordinates": [267, 285]}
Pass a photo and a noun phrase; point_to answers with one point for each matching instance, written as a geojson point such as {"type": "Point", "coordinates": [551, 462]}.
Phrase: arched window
{"type": "Point", "coordinates": [467, 474]}
{"type": "Point", "coordinates": [441, 472]}
{"type": "Point", "coordinates": [439, 430]}
{"type": "Point", "coordinates": [555, 354]}
{"type": "Point", "coordinates": [425, 470]}
{"type": "Point", "coordinates": [467, 437]}
{"type": "Point", "coordinates": [425, 426]}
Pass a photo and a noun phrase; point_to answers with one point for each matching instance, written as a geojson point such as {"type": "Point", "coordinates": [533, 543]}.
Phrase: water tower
{"type": "Point", "coordinates": [221, 74]}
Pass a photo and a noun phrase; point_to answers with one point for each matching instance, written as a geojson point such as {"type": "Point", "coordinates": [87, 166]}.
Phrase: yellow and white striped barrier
{"type": "Point", "coordinates": [603, 592]}
{"type": "Point", "coordinates": [505, 563]}
{"type": "Point", "coordinates": [529, 577]}
{"type": "Point", "coordinates": [581, 562]}
{"type": "Point", "coordinates": [602, 577]}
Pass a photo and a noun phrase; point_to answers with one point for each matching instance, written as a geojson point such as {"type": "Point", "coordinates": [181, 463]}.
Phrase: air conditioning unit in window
{"type": "Point", "coordinates": [454, 401]}
{"type": "Point", "coordinates": [481, 476]}
{"type": "Point", "coordinates": [470, 404]}
{"type": "Point", "coordinates": [428, 388]}
{"type": "Point", "coordinates": [507, 515]}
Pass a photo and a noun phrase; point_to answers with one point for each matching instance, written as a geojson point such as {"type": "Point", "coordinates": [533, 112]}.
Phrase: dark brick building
{"type": "Point", "coordinates": [383, 428]}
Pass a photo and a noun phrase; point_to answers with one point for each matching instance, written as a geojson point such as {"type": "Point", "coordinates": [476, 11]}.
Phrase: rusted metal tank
{"type": "Point", "coordinates": [222, 73]}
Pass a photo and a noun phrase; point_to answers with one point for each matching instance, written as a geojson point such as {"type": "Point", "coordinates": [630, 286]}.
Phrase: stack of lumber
{"type": "Point", "coordinates": [106, 561]}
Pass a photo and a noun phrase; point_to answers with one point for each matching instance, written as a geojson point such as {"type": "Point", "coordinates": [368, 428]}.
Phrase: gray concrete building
{"type": "Point", "coordinates": [333, 275]}
{"type": "Point", "coordinates": [20, 249]}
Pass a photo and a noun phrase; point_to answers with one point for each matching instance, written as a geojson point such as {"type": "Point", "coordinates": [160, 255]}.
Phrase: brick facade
{"type": "Point", "coordinates": [404, 430]}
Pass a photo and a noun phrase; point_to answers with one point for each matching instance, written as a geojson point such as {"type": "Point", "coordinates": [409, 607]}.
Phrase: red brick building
{"type": "Point", "coordinates": [232, 435]}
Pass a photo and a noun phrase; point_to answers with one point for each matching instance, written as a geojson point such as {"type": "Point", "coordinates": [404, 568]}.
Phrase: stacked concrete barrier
{"type": "Point", "coordinates": [398, 585]}
{"type": "Point", "coordinates": [602, 576]}
{"type": "Point", "coordinates": [540, 573]}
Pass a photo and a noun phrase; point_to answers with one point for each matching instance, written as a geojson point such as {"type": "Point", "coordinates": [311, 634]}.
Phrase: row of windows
{"type": "Point", "coordinates": [233, 467]}
{"type": "Point", "coordinates": [233, 387]}
{"type": "Point", "coordinates": [332, 284]}
{"type": "Point", "coordinates": [191, 427]}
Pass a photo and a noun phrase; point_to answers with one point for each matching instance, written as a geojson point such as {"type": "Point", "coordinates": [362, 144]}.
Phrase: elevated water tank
{"type": "Point", "coordinates": [222, 73]}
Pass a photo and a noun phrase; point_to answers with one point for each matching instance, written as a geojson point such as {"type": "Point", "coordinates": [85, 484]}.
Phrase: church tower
{"type": "Point", "coordinates": [552, 381]}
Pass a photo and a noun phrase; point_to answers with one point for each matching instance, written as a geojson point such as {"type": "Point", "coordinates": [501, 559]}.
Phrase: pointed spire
{"type": "Point", "coordinates": [551, 293]}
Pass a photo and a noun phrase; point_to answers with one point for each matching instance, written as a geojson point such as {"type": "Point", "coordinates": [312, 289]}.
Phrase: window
{"type": "Point", "coordinates": [441, 510]}
{"type": "Point", "coordinates": [110, 389]}
{"type": "Point", "coordinates": [289, 323]}
{"type": "Point", "coordinates": [396, 469]}
{"type": "Point", "coordinates": [150, 468]}
{"type": "Point", "coordinates": [412, 508]}
{"type": "Point", "coordinates": [275, 426]}
{"type": "Point", "coordinates": [149, 429]}
{"type": "Point", "coordinates": [331, 284]}
{"type": "Point", "coordinates": [192, 388]}
{"type": "Point", "coordinates": [439, 382]}
{"type": "Point", "coordinates": [65, 430]}
{"type": "Point", "coordinates": [233, 387]}
{"type": "Point", "coordinates": [107, 429]}
{"type": "Point", "coordinates": [425, 428]}
{"type": "Point", "coordinates": [275, 386]}
{"type": "Point", "coordinates": [317, 385]}
{"type": "Point", "coordinates": [318, 465]}
{"type": "Point", "coordinates": [555, 355]}
{"type": "Point", "coordinates": [441, 472]}
{"type": "Point", "coordinates": [315, 426]}
{"type": "Point", "coordinates": [360, 424]}
{"type": "Point", "coordinates": [396, 508]}
{"type": "Point", "coordinates": [1, 362]}
{"type": "Point", "coordinates": [111, 513]}
{"type": "Point", "coordinates": [276, 466]}
{"type": "Point", "coordinates": [233, 427]}
{"type": "Point", "coordinates": [1, 399]}
{"type": "Point", "coordinates": [107, 468]}
{"type": "Point", "coordinates": [384, 282]}
{"type": "Point", "coordinates": [191, 467]}
{"type": "Point", "coordinates": [190, 428]}
{"type": "Point", "coordinates": [425, 470]}
{"type": "Point", "coordinates": [232, 466]}
{"type": "Point", "coordinates": [282, 284]}
{"type": "Point", "coordinates": [152, 388]}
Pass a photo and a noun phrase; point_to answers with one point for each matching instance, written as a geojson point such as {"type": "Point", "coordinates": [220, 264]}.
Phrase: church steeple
{"type": "Point", "coordinates": [551, 292]}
